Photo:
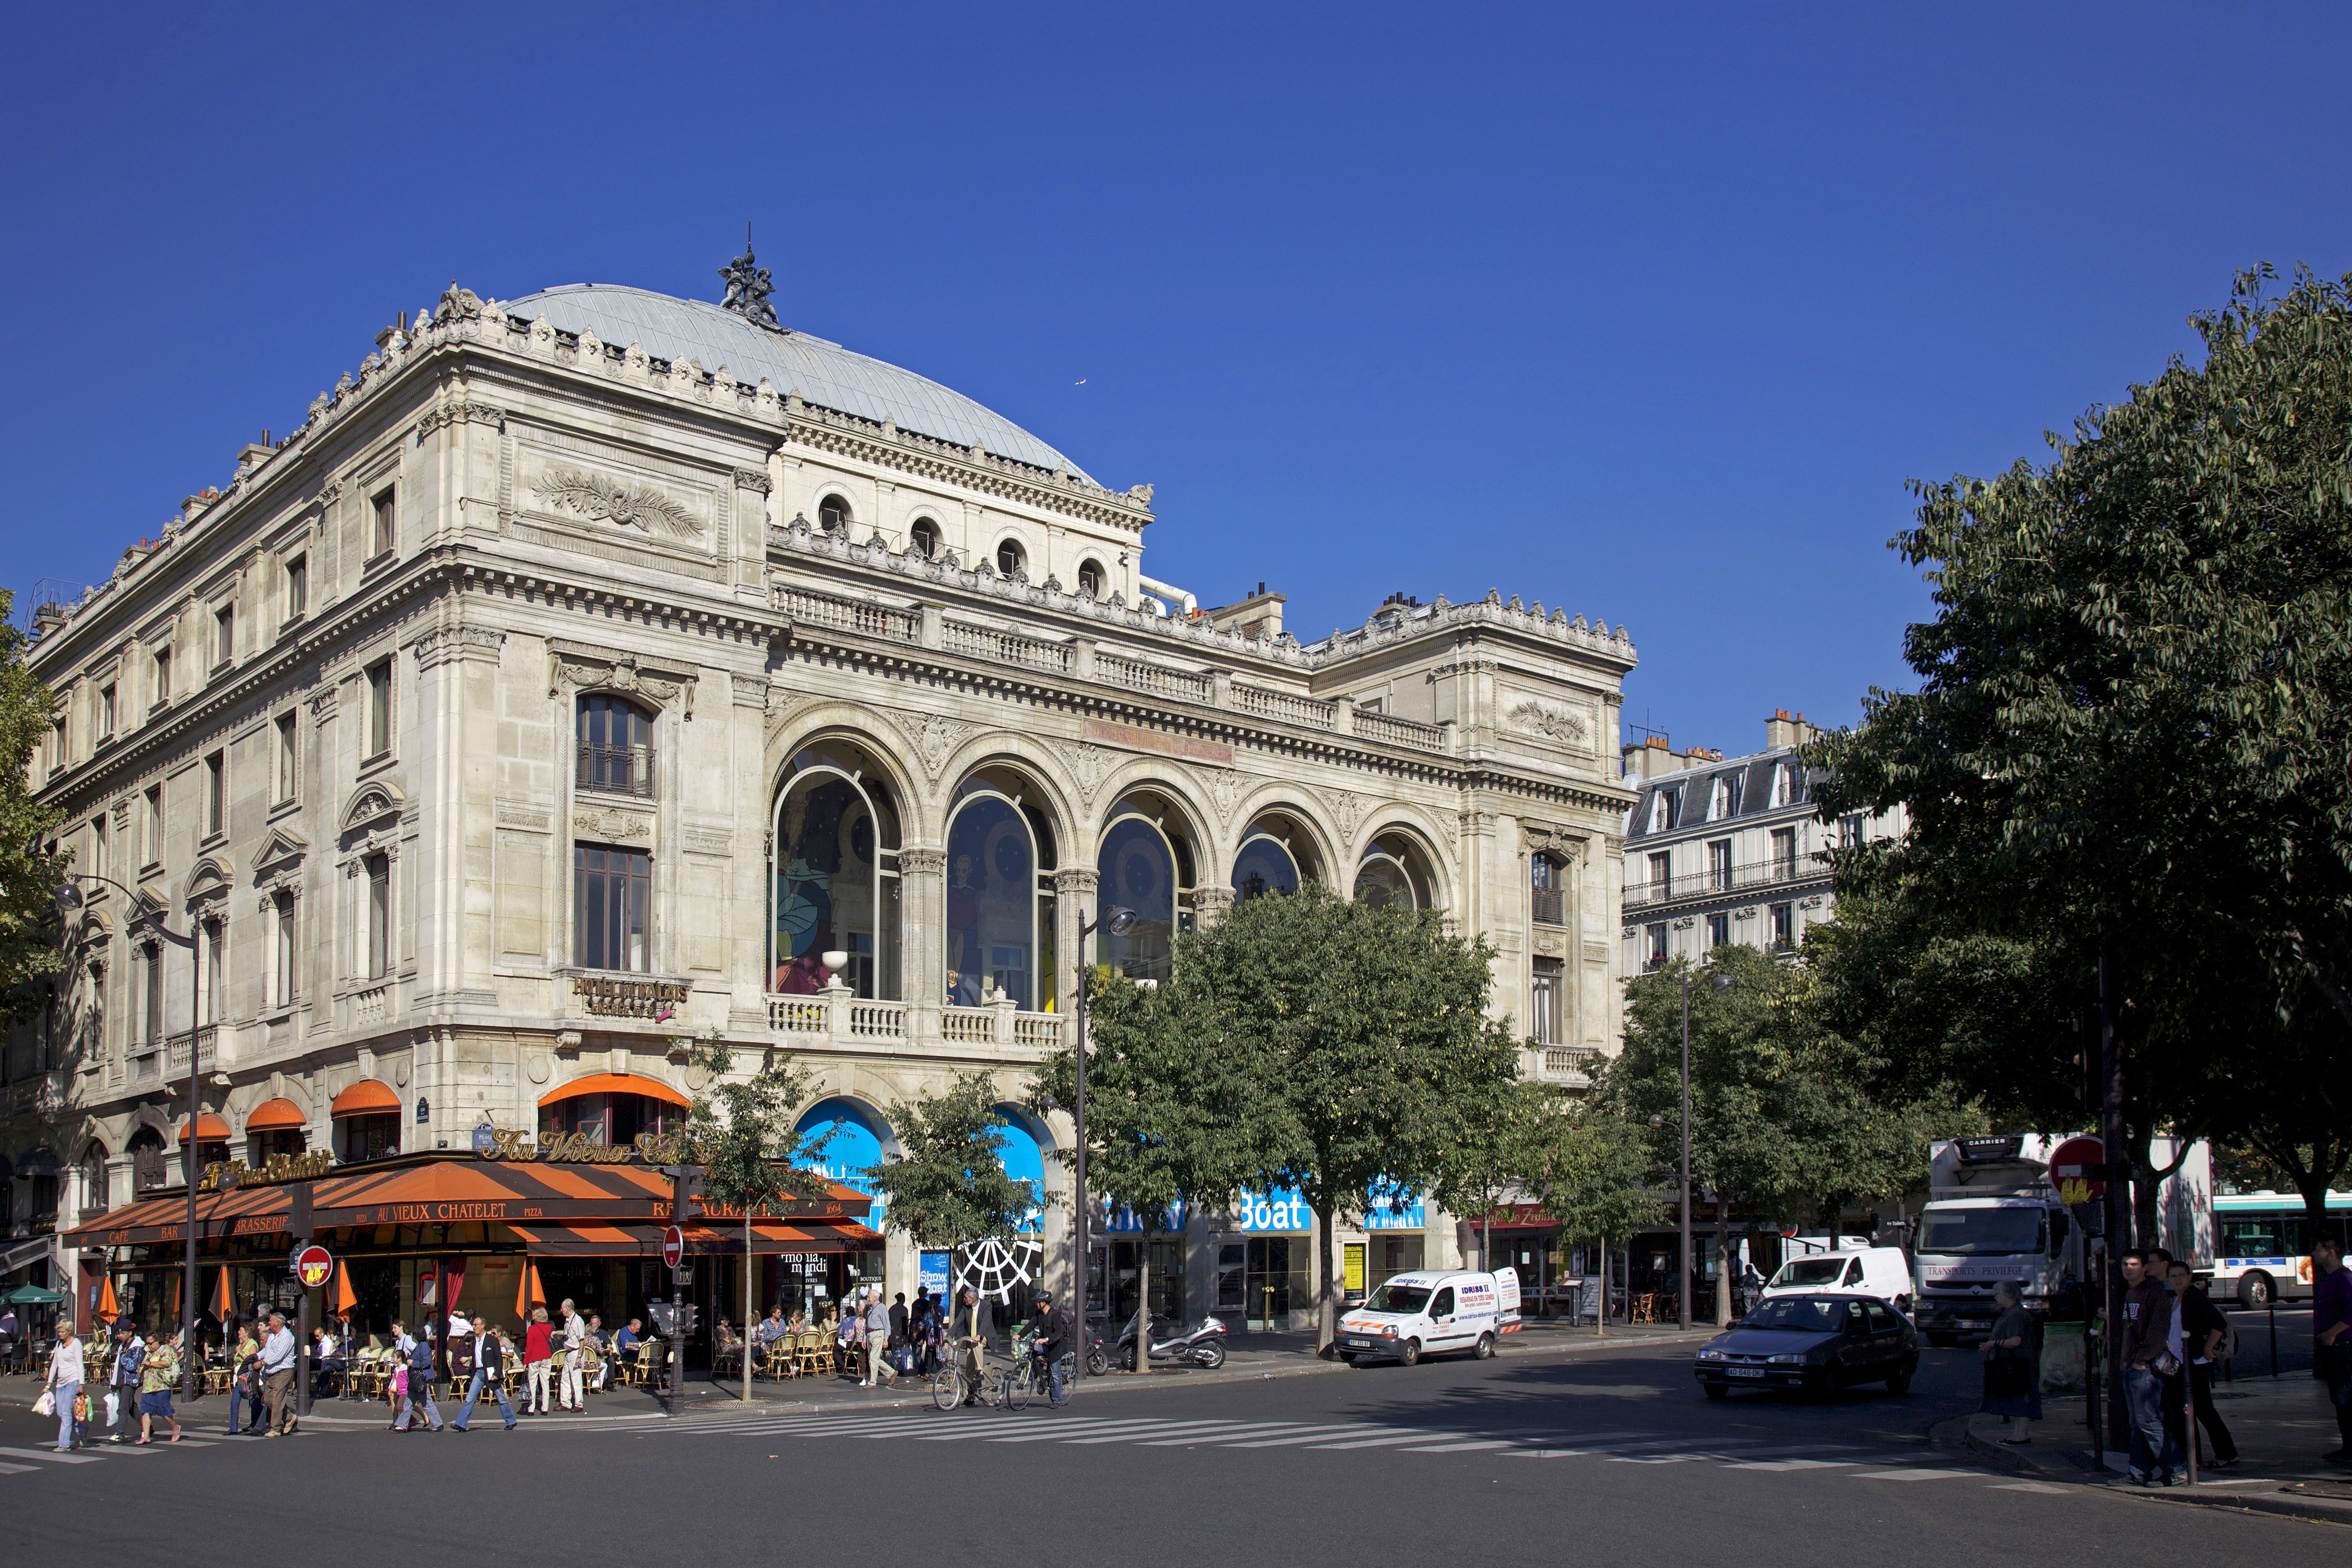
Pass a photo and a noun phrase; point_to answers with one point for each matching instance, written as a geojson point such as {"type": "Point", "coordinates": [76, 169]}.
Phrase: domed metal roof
{"type": "Point", "coordinates": [821, 371]}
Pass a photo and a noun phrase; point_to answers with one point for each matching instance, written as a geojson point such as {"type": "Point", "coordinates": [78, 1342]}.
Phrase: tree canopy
{"type": "Point", "coordinates": [948, 1187]}
{"type": "Point", "coordinates": [29, 876]}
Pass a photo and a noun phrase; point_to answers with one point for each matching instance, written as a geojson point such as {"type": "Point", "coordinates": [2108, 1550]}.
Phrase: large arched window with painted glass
{"type": "Point", "coordinates": [1145, 865]}
{"type": "Point", "coordinates": [834, 874]}
{"type": "Point", "coordinates": [616, 747]}
{"type": "Point", "coordinates": [1276, 855]}
{"type": "Point", "coordinates": [1000, 895]}
{"type": "Point", "coordinates": [1395, 869]}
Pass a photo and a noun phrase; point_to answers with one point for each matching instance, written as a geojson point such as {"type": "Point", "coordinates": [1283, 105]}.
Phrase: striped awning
{"type": "Point", "coordinates": [585, 1239]}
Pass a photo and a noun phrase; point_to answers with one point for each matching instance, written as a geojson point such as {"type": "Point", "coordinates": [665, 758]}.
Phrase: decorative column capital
{"type": "Point", "coordinates": [1076, 881]}
{"type": "Point", "coordinates": [927, 861]}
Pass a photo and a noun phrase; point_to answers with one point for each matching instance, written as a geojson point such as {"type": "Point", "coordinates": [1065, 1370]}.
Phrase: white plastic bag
{"type": "Point", "coordinates": [113, 1407]}
{"type": "Point", "coordinates": [46, 1405]}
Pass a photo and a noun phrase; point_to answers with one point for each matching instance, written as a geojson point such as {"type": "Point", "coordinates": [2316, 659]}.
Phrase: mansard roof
{"type": "Point", "coordinates": [823, 373]}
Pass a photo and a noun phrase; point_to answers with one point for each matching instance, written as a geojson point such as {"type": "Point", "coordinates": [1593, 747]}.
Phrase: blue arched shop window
{"type": "Point", "coordinates": [855, 1147]}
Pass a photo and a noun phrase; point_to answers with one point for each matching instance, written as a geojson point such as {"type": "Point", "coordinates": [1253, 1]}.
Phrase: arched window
{"type": "Point", "coordinates": [95, 1186]}
{"type": "Point", "coordinates": [1395, 869]}
{"type": "Point", "coordinates": [1276, 855]}
{"type": "Point", "coordinates": [1000, 896]}
{"type": "Point", "coordinates": [924, 538]}
{"type": "Point", "coordinates": [834, 873]}
{"type": "Point", "coordinates": [1090, 578]}
{"type": "Point", "coordinates": [1146, 869]}
{"type": "Point", "coordinates": [833, 514]}
{"type": "Point", "coordinates": [616, 747]}
{"type": "Point", "coordinates": [1011, 561]}
{"type": "Point", "coordinates": [610, 1120]}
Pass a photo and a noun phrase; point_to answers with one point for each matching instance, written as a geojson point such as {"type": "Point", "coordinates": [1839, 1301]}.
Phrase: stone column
{"type": "Point", "coordinates": [1073, 896]}
{"type": "Point", "coordinates": [1210, 904]}
{"type": "Point", "coordinates": [922, 900]}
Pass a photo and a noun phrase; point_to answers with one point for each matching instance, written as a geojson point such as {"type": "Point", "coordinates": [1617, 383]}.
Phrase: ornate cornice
{"type": "Point", "coordinates": [442, 644]}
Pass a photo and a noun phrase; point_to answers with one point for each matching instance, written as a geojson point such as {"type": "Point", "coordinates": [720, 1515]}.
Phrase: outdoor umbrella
{"type": "Point", "coordinates": [34, 1296]}
{"type": "Point", "coordinates": [222, 1305]}
{"type": "Point", "coordinates": [106, 1307]}
{"type": "Point", "coordinates": [527, 1290]}
{"type": "Point", "coordinates": [346, 1298]}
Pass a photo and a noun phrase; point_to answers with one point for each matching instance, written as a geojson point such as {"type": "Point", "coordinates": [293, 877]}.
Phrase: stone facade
{"type": "Point", "coordinates": [338, 719]}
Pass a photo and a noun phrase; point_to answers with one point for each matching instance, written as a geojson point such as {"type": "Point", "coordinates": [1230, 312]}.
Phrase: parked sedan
{"type": "Point", "coordinates": [1814, 1343]}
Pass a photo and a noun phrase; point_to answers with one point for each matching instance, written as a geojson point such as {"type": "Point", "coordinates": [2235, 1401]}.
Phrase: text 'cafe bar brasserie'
{"type": "Point", "coordinates": [514, 1222]}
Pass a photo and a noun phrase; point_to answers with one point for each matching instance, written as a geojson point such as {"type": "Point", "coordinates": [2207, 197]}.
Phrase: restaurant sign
{"type": "Point", "coordinates": [579, 1149]}
{"type": "Point", "coordinates": [222, 1176]}
{"type": "Point", "coordinates": [628, 998]}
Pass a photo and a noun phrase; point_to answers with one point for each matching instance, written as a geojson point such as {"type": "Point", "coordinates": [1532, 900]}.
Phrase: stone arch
{"type": "Point", "coordinates": [1403, 817]}
{"type": "Point", "coordinates": [856, 722]}
{"type": "Point", "coordinates": [1024, 755]}
{"type": "Point", "coordinates": [370, 803]}
{"type": "Point", "coordinates": [1262, 796]}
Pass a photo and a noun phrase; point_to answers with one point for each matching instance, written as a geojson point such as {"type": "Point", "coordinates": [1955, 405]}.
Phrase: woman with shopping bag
{"type": "Point", "coordinates": [61, 1394]}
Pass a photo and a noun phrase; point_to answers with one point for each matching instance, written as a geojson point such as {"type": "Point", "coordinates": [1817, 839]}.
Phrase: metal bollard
{"type": "Point", "coordinates": [2273, 1309]}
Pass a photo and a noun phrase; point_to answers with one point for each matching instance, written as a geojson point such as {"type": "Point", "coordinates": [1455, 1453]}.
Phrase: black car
{"type": "Point", "coordinates": [1813, 1343]}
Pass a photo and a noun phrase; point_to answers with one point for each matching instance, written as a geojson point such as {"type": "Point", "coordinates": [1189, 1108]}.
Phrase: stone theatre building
{"type": "Point", "coordinates": [599, 667]}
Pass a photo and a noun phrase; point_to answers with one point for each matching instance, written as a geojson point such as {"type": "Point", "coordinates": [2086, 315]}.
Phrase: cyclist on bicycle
{"type": "Point", "coordinates": [1055, 1334]}
{"type": "Point", "coordinates": [969, 1334]}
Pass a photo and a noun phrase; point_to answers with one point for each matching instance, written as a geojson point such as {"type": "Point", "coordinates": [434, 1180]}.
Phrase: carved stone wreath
{"type": "Point", "coordinates": [640, 507]}
{"type": "Point", "coordinates": [1558, 724]}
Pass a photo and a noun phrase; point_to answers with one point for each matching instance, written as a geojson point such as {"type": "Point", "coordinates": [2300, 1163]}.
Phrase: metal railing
{"type": "Point", "coordinates": [1715, 879]}
{"type": "Point", "coordinates": [1550, 906]}
{"type": "Point", "coordinates": [620, 770]}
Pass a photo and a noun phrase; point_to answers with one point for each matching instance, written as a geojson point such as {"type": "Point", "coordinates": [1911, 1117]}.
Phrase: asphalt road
{"type": "Point", "coordinates": [1544, 1455]}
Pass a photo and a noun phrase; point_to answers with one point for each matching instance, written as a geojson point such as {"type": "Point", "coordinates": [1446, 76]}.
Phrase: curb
{"type": "Point", "coordinates": [1953, 1438]}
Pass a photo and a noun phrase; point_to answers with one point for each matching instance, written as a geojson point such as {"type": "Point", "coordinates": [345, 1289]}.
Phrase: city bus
{"type": "Point", "coordinates": [2262, 1245]}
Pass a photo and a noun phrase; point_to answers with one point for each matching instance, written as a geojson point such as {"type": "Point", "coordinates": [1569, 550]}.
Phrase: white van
{"type": "Point", "coordinates": [1880, 1271]}
{"type": "Point", "coordinates": [1432, 1314]}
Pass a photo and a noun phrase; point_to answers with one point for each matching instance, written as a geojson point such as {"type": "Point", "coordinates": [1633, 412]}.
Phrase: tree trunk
{"type": "Point", "coordinates": [1601, 1308]}
{"type": "Point", "coordinates": [746, 1330]}
{"type": "Point", "coordinates": [1143, 1301]}
{"type": "Point", "coordinates": [1722, 1268]}
{"type": "Point", "coordinates": [1326, 1301]}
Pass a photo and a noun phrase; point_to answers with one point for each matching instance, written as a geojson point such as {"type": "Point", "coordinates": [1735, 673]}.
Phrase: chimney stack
{"type": "Point", "coordinates": [1787, 729]}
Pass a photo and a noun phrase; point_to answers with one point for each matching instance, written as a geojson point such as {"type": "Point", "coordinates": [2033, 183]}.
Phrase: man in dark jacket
{"type": "Point", "coordinates": [2331, 1334]}
{"type": "Point", "coordinates": [1055, 1335]}
{"type": "Point", "coordinates": [2203, 1331]}
{"type": "Point", "coordinates": [969, 1334]}
{"type": "Point", "coordinates": [2148, 1324]}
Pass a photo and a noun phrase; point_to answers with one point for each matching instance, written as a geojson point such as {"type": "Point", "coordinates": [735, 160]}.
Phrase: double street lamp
{"type": "Point", "coordinates": [1720, 981]}
{"type": "Point", "coordinates": [69, 898]}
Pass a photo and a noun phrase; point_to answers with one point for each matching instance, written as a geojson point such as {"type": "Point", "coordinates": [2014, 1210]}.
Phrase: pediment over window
{"type": "Point", "coordinates": [283, 847]}
{"type": "Point", "coordinates": [211, 879]}
{"type": "Point", "coordinates": [372, 802]}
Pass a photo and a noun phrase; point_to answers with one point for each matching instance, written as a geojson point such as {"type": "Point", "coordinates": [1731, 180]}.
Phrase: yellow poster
{"type": "Point", "coordinates": [1355, 1268]}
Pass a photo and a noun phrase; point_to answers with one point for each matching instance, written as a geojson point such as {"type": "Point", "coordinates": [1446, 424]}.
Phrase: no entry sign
{"type": "Point", "coordinates": [673, 1246]}
{"type": "Point", "coordinates": [2078, 1167]}
{"type": "Point", "coordinates": [312, 1266]}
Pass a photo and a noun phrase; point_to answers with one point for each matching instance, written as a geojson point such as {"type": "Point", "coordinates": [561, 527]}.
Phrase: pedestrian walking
{"type": "Point", "coordinates": [122, 1383]}
{"type": "Point", "coordinates": [63, 1387]}
{"type": "Point", "coordinates": [2203, 1330]}
{"type": "Point", "coordinates": [490, 1352]}
{"type": "Point", "coordinates": [971, 1330]}
{"type": "Point", "coordinates": [879, 1372]}
{"type": "Point", "coordinates": [2331, 1332]}
{"type": "Point", "coordinates": [159, 1373]}
{"type": "Point", "coordinates": [2013, 1381]}
{"type": "Point", "coordinates": [420, 1387]}
{"type": "Point", "coordinates": [2148, 1364]}
{"type": "Point", "coordinates": [537, 1351]}
{"type": "Point", "coordinates": [278, 1375]}
{"type": "Point", "coordinates": [1055, 1335]}
{"type": "Point", "coordinates": [241, 1390]}
{"type": "Point", "coordinates": [568, 1394]}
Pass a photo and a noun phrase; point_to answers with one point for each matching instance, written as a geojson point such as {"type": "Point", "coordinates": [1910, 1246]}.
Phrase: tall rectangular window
{"type": "Point", "coordinates": [1850, 831]}
{"type": "Point", "coordinates": [379, 916]}
{"type": "Point", "coordinates": [224, 633]}
{"type": "Point", "coordinates": [153, 852]}
{"type": "Point", "coordinates": [106, 712]}
{"type": "Point", "coordinates": [216, 968]}
{"type": "Point", "coordinates": [1543, 1002]}
{"type": "Point", "coordinates": [1662, 880]}
{"type": "Point", "coordinates": [379, 713]}
{"type": "Point", "coordinates": [613, 895]}
{"type": "Point", "coordinates": [286, 749]}
{"type": "Point", "coordinates": [1784, 853]}
{"type": "Point", "coordinates": [1656, 936]}
{"type": "Point", "coordinates": [1784, 926]}
{"type": "Point", "coordinates": [162, 676]}
{"type": "Point", "coordinates": [154, 1018]}
{"type": "Point", "coordinates": [59, 755]}
{"type": "Point", "coordinates": [281, 944]}
{"type": "Point", "coordinates": [1718, 929]}
{"type": "Point", "coordinates": [383, 523]}
{"type": "Point", "coordinates": [298, 586]}
{"type": "Point", "coordinates": [97, 845]}
{"type": "Point", "coordinates": [1718, 864]}
{"type": "Point", "coordinates": [216, 793]}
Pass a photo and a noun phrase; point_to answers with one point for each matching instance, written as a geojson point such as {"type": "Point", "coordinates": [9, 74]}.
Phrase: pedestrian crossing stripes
{"type": "Point", "coordinates": [1853, 1461]}
{"type": "Point", "coordinates": [17, 1461]}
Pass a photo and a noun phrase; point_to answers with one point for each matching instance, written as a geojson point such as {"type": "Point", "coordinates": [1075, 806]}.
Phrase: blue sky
{"type": "Point", "coordinates": [1651, 315]}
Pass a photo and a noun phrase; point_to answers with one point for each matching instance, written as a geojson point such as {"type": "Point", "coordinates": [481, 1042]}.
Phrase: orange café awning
{"type": "Point", "coordinates": [272, 1114]}
{"type": "Point", "coordinates": [614, 1083]}
{"type": "Point", "coordinates": [369, 1097]}
{"type": "Point", "coordinates": [210, 1129]}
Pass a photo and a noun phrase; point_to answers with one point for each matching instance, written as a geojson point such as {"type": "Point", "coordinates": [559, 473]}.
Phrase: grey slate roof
{"type": "Point", "coordinates": [821, 371]}
{"type": "Point", "coordinates": [1698, 784]}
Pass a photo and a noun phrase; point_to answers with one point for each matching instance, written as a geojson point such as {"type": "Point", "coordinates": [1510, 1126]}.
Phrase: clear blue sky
{"type": "Point", "coordinates": [1652, 315]}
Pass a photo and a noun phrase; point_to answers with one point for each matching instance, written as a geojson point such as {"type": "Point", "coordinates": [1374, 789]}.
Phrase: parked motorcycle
{"type": "Point", "coordinates": [1097, 1361]}
{"type": "Point", "coordinates": [1203, 1346]}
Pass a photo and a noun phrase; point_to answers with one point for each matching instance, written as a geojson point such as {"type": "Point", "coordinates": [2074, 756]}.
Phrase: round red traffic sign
{"type": "Point", "coordinates": [673, 1246]}
{"type": "Point", "coordinates": [313, 1265]}
{"type": "Point", "coordinates": [2077, 1168]}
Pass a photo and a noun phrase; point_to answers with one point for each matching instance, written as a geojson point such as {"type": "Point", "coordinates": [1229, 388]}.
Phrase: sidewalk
{"type": "Point", "coordinates": [2281, 1428]}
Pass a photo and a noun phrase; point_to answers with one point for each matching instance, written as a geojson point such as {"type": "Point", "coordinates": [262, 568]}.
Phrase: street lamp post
{"type": "Point", "coordinates": [1118, 922]}
{"type": "Point", "coordinates": [70, 896]}
{"type": "Point", "coordinates": [1721, 982]}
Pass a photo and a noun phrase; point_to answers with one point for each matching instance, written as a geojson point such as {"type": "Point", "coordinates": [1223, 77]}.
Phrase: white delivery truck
{"type": "Point", "coordinates": [1432, 1312]}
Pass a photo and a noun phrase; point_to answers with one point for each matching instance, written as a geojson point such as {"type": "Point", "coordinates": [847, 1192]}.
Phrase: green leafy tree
{"type": "Point", "coordinates": [1589, 1167]}
{"type": "Point", "coordinates": [29, 875]}
{"type": "Point", "coordinates": [1488, 1149]}
{"type": "Point", "coordinates": [1167, 1122]}
{"type": "Point", "coordinates": [1353, 1027]}
{"type": "Point", "coordinates": [948, 1187]}
{"type": "Point", "coordinates": [740, 1130]}
{"type": "Point", "coordinates": [2136, 701]}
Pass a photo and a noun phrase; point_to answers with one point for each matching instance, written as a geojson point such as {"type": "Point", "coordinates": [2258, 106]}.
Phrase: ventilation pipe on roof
{"type": "Point", "coordinates": [1169, 590]}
